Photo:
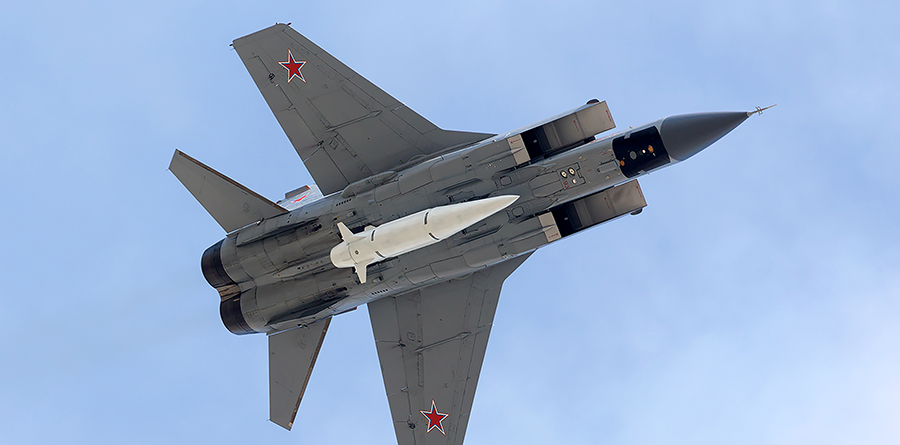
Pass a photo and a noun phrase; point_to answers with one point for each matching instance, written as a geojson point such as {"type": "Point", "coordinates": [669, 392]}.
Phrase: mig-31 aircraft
{"type": "Point", "coordinates": [421, 224]}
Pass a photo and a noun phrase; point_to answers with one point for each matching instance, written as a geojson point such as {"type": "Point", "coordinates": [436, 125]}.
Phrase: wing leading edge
{"type": "Point", "coordinates": [431, 344]}
{"type": "Point", "coordinates": [343, 126]}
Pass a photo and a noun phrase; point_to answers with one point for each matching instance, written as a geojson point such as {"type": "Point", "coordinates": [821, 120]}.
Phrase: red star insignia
{"type": "Point", "coordinates": [434, 418]}
{"type": "Point", "coordinates": [293, 67]}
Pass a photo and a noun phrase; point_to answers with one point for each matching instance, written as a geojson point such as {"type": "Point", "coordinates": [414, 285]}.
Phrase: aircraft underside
{"type": "Point", "coordinates": [421, 224]}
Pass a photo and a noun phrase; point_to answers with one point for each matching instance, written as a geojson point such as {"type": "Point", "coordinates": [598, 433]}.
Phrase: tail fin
{"type": "Point", "coordinates": [292, 355]}
{"type": "Point", "coordinates": [346, 234]}
{"type": "Point", "coordinates": [361, 272]}
{"type": "Point", "coordinates": [349, 236]}
{"type": "Point", "coordinates": [232, 205]}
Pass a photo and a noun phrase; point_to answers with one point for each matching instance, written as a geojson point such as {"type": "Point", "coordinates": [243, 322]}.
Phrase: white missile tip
{"type": "Point", "coordinates": [507, 199]}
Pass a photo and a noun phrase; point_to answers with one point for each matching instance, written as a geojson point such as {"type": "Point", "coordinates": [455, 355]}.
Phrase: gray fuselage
{"type": "Point", "coordinates": [277, 274]}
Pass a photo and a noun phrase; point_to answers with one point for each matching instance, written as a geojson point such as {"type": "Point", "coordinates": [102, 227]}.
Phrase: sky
{"type": "Point", "coordinates": [755, 300]}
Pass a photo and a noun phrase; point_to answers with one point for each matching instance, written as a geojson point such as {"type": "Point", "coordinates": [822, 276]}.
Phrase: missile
{"type": "Point", "coordinates": [411, 232]}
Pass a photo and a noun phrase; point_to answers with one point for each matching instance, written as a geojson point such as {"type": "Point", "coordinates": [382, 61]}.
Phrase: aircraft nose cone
{"type": "Point", "coordinates": [687, 134]}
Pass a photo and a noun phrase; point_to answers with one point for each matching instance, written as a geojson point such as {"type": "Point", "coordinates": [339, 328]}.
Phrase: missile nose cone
{"type": "Point", "coordinates": [504, 201]}
{"type": "Point", "coordinates": [489, 206]}
{"type": "Point", "coordinates": [482, 208]}
{"type": "Point", "coordinates": [687, 134]}
{"type": "Point", "coordinates": [446, 220]}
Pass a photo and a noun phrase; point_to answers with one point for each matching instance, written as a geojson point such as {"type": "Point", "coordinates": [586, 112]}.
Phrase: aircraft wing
{"type": "Point", "coordinates": [431, 345]}
{"type": "Point", "coordinates": [343, 126]}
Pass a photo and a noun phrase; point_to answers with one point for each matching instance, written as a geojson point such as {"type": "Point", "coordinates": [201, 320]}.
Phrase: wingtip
{"type": "Point", "coordinates": [178, 154]}
{"type": "Point", "coordinates": [286, 426]}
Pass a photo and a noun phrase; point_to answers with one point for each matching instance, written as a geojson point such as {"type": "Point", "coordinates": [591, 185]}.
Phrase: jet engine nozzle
{"type": "Point", "coordinates": [213, 270]}
{"type": "Point", "coordinates": [217, 277]}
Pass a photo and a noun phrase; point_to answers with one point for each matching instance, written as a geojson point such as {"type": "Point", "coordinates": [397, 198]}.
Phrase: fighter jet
{"type": "Point", "coordinates": [421, 224]}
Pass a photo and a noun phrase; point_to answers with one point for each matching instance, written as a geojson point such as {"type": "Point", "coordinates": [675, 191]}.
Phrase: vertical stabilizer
{"type": "Point", "coordinates": [292, 355]}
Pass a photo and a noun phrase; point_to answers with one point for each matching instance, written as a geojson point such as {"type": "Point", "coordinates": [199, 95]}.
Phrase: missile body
{"type": "Point", "coordinates": [411, 232]}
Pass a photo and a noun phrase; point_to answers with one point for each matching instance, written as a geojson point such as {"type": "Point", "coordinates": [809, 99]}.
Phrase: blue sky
{"type": "Point", "coordinates": [755, 300]}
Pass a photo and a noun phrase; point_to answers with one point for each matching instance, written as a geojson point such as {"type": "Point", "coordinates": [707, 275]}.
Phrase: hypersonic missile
{"type": "Point", "coordinates": [411, 232]}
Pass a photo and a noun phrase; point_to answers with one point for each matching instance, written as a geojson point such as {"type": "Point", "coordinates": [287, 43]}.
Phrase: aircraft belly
{"type": "Point", "coordinates": [482, 256]}
{"type": "Point", "coordinates": [421, 275]}
{"type": "Point", "coordinates": [412, 224]}
{"type": "Point", "coordinates": [276, 257]}
{"type": "Point", "coordinates": [291, 276]}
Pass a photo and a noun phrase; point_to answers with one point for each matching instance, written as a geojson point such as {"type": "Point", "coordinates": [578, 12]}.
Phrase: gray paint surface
{"type": "Point", "coordinates": [292, 356]}
{"type": "Point", "coordinates": [431, 344]}
{"type": "Point", "coordinates": [344, 127]}
{"type": "Point", "coordinates": [232, 205]}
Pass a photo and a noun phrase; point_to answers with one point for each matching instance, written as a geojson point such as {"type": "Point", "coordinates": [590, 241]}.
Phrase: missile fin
{"type": "Point", "coordinates": [346, 234]}
{"type": "Point", "coordinates": [361, 271]}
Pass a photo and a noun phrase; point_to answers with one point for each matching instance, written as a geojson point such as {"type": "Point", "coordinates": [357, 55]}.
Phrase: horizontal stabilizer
{"type": "Point", "coordinates": [232, 205]}
{"type": "Point", "coordinates": [292, 355]}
